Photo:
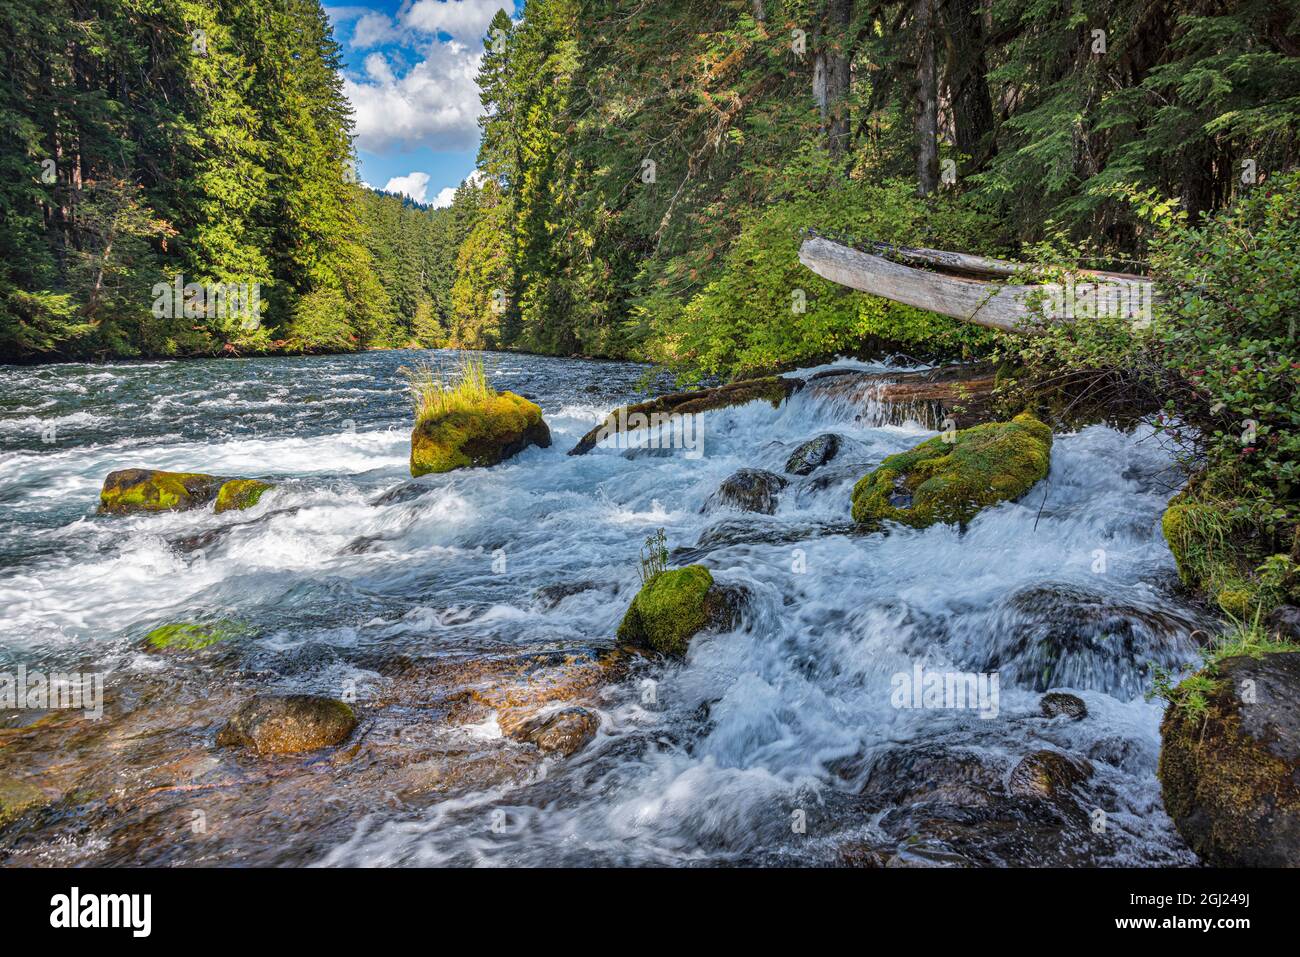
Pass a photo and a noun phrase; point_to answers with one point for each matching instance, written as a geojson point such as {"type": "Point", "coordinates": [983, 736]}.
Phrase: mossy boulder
{"type": "Point", "coordinates": [190, 636]}
{"type": "Point", "coordinates": [240, 494]}
{"type": "Point", "coordinates": [951, 480]}
{"type": "Point", "coordinates": [288, 724]}
{"type": "Point", "coordinates": [1230, 771]}
{"type": "Point", "coordinates": [128, 491]}
{"type": "Point", "coordinates": [16, 798]}
{"type": "Point", "coordinates": [673, 607]}
{"type": "Point", "coordinates": [491, 431]}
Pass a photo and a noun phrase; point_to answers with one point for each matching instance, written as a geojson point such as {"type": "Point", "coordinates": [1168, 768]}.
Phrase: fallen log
{"type": "Point", "coordinates": [946, 283]}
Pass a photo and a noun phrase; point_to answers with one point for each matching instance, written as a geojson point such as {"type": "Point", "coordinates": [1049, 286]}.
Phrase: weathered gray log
{"type": "Point", "coordinates": [1008, 307]}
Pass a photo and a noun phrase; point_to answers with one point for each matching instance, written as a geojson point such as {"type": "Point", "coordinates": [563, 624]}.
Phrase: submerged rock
{"type": "Point", "coordinates": [773, 389]}
{"type": "Point", "coordinates": [1047, 774]}
{"type": "Point", "coordinates": [286, 724]}
{"type": "Point", "coordinates": [498, 427]}
{"type": "Point", "coordinates": [17, 797]}
{"type": "Point", "coordinates": [674, 606]}
{"type": "Point", "coordinates": [1058, 703]}
{"type": "Point", "coordinates": [190, 636]}
{"type": "Point", "coordinates": [1230, 763]}
{"type": "Point", "coordinates": [240, 494]}
{"type": "Point", "coordinates": [128, 491]}
{"type": "Point", "coordinates": [565, 732]}
{"type": "Point", "coordinates": [951, 481]}
{"type": "Point", "coordinates": [813, 454]}
{"type": "Point", "coordinates": [750, 490]}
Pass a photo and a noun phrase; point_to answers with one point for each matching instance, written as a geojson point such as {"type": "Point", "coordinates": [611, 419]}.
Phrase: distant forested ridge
{"type": "Point", "coordinates": [645, 168]}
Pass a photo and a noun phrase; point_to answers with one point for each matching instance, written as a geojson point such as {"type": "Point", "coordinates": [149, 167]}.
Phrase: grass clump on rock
{"type": "Point", "coordinates": [465, 423]}
{"type": "Point", "coordinates": [950, 479]}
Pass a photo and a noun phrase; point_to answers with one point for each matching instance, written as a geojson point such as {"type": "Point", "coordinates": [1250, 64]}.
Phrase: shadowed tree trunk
{"type": "Point", "coordinates": [966, 79]}
{"type": "Point", "coordinates": [927, 100]}
{"type": "Point", "coordinates": [831, 73]}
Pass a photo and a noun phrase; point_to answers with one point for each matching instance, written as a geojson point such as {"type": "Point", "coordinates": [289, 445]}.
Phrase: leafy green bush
{"type": "Point", "coordinates": [766, 311]}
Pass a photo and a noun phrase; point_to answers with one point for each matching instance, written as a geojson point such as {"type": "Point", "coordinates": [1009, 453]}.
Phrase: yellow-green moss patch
{"type": "Point", "coordinates": [950, 481]}
{"type": "Point", "coordinates": [240, 494]}
{"type": "Point", "coordinates": [668, 610]}
{"type": "Point", "coordinates": [190, 636]}
{"type": "Point", "coordinates": [492, 429]}
{"type": "Point", "coordinates": [151, 490]}
{"type": "Point", "coordinates": [16, 797]}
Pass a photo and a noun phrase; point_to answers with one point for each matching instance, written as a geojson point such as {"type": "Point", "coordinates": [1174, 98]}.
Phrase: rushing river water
{"type": "Point", "coordinates": [777, 742]}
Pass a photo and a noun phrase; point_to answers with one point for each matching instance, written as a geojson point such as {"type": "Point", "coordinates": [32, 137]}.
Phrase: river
{"type": "Point", "coordinates": [774, 743]}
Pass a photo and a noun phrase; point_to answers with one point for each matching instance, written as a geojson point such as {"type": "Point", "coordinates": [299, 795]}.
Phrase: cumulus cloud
{"type": "Point", "coordinates": [444, 197]}
{"type": "Point", "coordinates": [374, 29]}
{"type": "Point", "coordinates": [413, 185]}
{"type": "Point", "coordinates": [421, 21]}
{"type": "Point", "coordinates": [435, 104]}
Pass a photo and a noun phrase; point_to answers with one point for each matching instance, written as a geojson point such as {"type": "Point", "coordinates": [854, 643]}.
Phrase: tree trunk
{"type": "Point", "coordinates": [831, 73]}
{"type": "Point", "coordinates": [966, 78]}
{"type": "Point", "coordinates": [927, 101]}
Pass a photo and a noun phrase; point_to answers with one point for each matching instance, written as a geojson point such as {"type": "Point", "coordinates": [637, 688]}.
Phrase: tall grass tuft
{"type": "Point", "coordinates": [436, 392]}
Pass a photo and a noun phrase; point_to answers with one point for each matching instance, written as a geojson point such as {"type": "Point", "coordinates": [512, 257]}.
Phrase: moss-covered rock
{"type": "Point", "coordinates": [240, 494]}
{"type": "Point", "coordinates": [287, 724]}
{"type": "Point", "coordinates": [128, 491]}
{"type": "Point", "coordinates": [951, 481]}
{"type": "Point", "coordinates": [190, 636]}
{"type": "Point", "coordinates": [673, 607]}
{"type": "Point", "coordinates": [497, 427]}
{"type": "Point", "coordinates": [17, 797]}
{"type": "Point", "coordinates": [1230, 771]}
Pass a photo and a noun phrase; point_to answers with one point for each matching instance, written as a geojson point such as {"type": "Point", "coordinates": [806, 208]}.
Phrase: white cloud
{"type": "Point", "coordinates": [373, 29]}
{"type": "Point", "coordinates": [435, 104]}
{"type": "Point", "coordinates": [444, 197]}
{"type": "Point", "coordinates": [465, 19]}
{"type": "Point", "coordinates": [413, 185]}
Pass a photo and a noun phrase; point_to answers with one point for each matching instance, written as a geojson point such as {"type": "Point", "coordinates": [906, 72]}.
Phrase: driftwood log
{"type": "Point", "coordinates": [958, 285]}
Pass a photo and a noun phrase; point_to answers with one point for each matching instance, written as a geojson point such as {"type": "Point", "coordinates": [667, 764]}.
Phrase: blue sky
{"type": "Point", "coordinates": [409, 68]}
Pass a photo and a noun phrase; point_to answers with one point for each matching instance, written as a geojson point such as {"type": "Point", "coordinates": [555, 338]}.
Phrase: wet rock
{"type": "Point", "coordinates": [16, 798]}
{"type": "Point", "coordinates": [1060, 634]}
{"type": "Point", "coordinates": [1230, 767]}
{"type": "Point", "coordinates": [750, 490]}
{"type": "Point", "coordinates": [239, 494]}
{"type": "Point", "coordinates": [190, 636]}
{"type": "Point", "coordinates": [813, 454]}
{"type": "Point", "coordinates": [286, 724]}
{"type": "Point", "coordinates": [833, 475]}
{"type": "Point", "coordinates": [676, 605]}
{"type": "Point", "coordinates": [129, 491]}
{"type": "Point", "coordinates": [565, 732]}
{"type": "Point", "coordinates": [1058, 703]}
{"type": "Point", "coordinates": [399, 494]}
{"type": "Point", "coordinates": [551, 595]}
{"type": "Point", "coordinates": [1047, 774]}
{"type": "Point", "coordinates": [951, 481]}
{"type": "Point", "coordinates": [496, 428]}
{"type": "Point", "coordinates": [1284, 622]}
{"type": "Point", "coordinates": [774, 389]}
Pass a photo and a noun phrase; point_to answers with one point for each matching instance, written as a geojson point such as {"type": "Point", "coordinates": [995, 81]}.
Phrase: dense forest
{"type": "Point", "coordinates": [646, 169]}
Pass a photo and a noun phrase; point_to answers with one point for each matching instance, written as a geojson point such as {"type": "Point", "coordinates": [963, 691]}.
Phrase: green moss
{"type": "Point", "coordinates": [1219, 785]}
{"type": "Point", "coordinates": [150, 490]}
{"type": "Point", "coordinates": [668, 610]}
{"type": "Point", "coordinates": [16, 797]}
{"type": "Point", "coordinates": [951, 481]}
{"type": "Point", "coordinates": [1216, 554]}
{"type": "Point", "coordinates": [190, 636]}
{"type": "Point", "coordinates": [490, 431]}
{"type": "Point", "coordinates": [240, 494]}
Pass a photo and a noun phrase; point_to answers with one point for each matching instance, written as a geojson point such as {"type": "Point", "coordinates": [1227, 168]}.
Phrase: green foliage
{"type": "Point", "coordinates": [435, 393]}
{"type": "Point", "coordinates": [654, 556]}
